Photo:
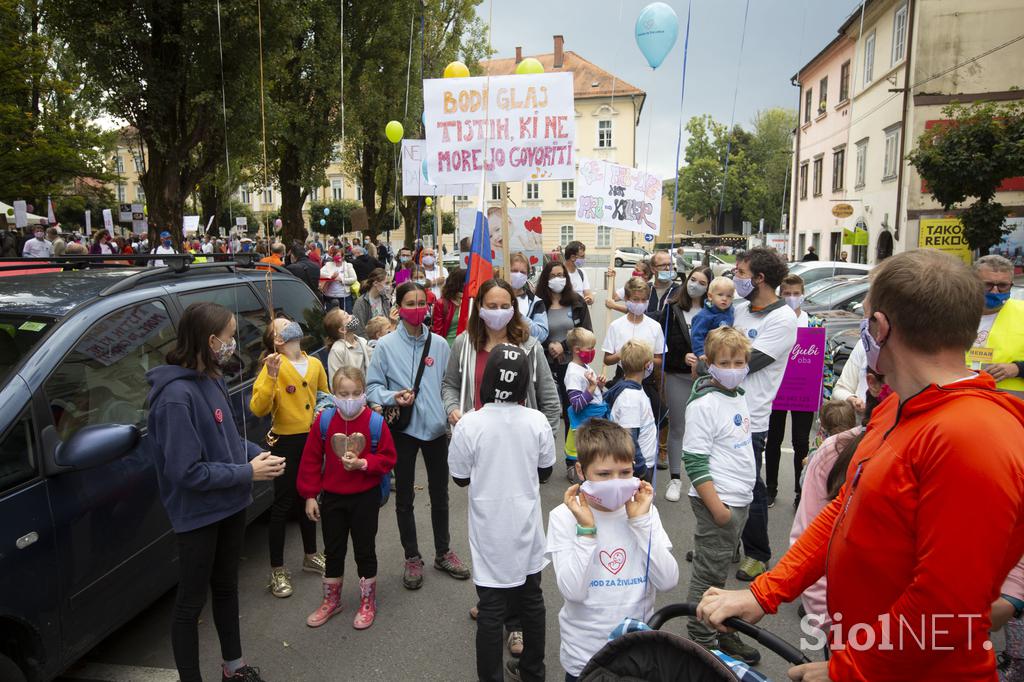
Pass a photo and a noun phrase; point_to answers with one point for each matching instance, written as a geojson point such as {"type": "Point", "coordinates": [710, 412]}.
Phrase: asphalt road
{"type": "Point", "coordinates": [418, 635]}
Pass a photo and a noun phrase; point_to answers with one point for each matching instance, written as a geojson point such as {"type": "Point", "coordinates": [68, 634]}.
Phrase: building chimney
{"type": "Point", "coordinates": [519, 54]}
{"type": "Point", "coordinates": [559, 57]}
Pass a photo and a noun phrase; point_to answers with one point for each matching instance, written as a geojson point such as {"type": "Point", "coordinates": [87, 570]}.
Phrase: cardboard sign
{"type": "Point", "coordinates": [800, 390]}
{"type": "Point", "coordinates": [778, 241]}
{"type": "Point", "coordinates": [415, 179]}
{"type": "Point", "coordinates": [88, 223]}
{"type": "Point", "coordinates": [525, 232]}
{"type": "Point", "coordinates": [241, 221]}
{"type": "Point", "coordinates": [526, 122]}
{"type": "Point", "coordinates": [140, 225]}
{"type": "Point", "coordinates": [116, 336]}
{"type": "Point", "coordinates": [124, 213]}
{"type": "Point", "coordinates": [20, 213]}
{"type": "Point", "coordinates": [190, 223]}
{"type": "Point", "coordinates": [944, 234]}
{"type": "Point", "coordinates": [108, 220]}
{"type": "Point", "coordinates": [618, 196]}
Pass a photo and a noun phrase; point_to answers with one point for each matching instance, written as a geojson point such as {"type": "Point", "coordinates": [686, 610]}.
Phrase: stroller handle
{"type": "Point", "coordinates": [760, 635]}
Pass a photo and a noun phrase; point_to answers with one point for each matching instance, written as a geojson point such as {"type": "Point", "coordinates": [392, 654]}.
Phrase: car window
{"type": "Point", "coordinates": [833, 295]}
{"type": "Point", "coordinates": [17, 453]}
{"type": "Point", "coordinates": [103, 379]}
{"type": "Point", "coordinates": [850, 271]}
{"type": "Point", "coordinates": [19, 334]}
{"type": "Point", "coordinates": [295, 301]}
{"type": "Point", "coordinates": [252, 317]}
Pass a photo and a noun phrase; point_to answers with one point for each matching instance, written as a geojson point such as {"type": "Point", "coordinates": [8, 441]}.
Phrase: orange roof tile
{"type": "Point", "coordinates": [589, 79]}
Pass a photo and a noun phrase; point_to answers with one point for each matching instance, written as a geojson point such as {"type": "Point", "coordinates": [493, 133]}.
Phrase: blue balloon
{"type": "Point", "coordinates": [657, 28]}
{"type": "Point", "coordinates": [327, 211]}
{"type": "Point", "coordinates": [423, 117]}
{"type": "Point", "coordinates": [425, 176]}
{"type": "Point", "coordinates": [322, 222]}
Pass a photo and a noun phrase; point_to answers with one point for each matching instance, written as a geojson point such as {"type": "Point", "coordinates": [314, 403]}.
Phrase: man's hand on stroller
{"type": "Point", "coordinates": [717, 605]}
{"type": "Point", "coordinates": [810, 672]}
{"type": "Point", "coordinates": [576, 501]}
{"type": "Point", "coordinates": [640, 505]}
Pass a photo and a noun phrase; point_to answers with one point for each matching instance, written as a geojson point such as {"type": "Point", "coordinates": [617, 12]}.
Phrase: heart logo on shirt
{"type": "Point", "coordinates": [340, 444]}
{"type": "Point", "coordinates": [614, 560]}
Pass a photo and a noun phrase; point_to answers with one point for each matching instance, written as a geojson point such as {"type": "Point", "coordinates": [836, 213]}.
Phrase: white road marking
{"type": "Point", "coordinates": [106, 672]}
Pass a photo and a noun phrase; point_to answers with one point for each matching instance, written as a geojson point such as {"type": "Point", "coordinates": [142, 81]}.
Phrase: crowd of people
{"type": "Point", "coordinates": [897, 500]}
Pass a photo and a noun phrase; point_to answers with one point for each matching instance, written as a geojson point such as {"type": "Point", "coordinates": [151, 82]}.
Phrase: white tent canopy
{"type": "Point", "coordinates": [33, 219]}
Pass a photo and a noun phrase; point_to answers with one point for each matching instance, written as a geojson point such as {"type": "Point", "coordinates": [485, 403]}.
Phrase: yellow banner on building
{"type": "Point", "coordinates": [944, 234]}
{"type": "Point", "coordinates": [855, 237]}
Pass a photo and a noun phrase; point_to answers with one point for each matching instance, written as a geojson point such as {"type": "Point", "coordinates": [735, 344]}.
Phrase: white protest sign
{"type": "Point", "coordinates": [618, 196]}
{"type": "Point", "coordinates": [525, 232]}
{"type": "Point", "coordinates": [415, 175]}
{"type": "Point", "coordinates": [20, 214]}
{"type": "Point", "coordinates": [241, 221]}
{"type": "Point", "coordinates": [88, 223]}
{"type": "Point", "coordinates": [108, 220]}
{"type": "Point", "coordinates": [209, 223]}
{"type": "Point", "coordinates": [140, 225]}
{"type": "Point", "coordinates": [120, 333]}
{"type": "Point", "coordinates": [124, 213]}
{"type": "Point", "coordinates": [190, 224]}
{"type": "Point", "coordinates": [529, 122]}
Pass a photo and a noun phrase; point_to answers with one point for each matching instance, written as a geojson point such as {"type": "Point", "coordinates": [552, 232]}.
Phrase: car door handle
{"type": "Point", "coordinates": [26, 540]}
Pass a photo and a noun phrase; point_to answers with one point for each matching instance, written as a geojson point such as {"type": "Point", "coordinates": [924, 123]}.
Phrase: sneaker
{"type": "Point", "coordinates": [244, 674]}
{"type": "Point", "coordinates": [330, 605]}
{"type": "Point", "coordinates": [515, 643]}
{"type": "Point", "coordinates": [512, 671]}
{"type": "Point", "coordinates": [451, 564]}
{"type": "Point", "coordinates": [280, 583]}
{"type": "Point", "coordinates": [412, 578]}
{"type": "Point", "coordinates": [316, 563]}
{"type": "Point", "coordinates": [367, 604]}
{"type": "Point", "coordinates": [675, 488]}
{"type": "Point", "coordinates": [731, 645]}
{"type": "Point", "coordinates": [771, 501]}
{"type": "Point", "coordinates": [750, 569]}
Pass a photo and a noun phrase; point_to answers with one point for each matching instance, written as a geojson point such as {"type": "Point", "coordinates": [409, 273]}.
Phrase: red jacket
{"type": "Point", "coordinates": [920, 538]}
{"type": "Point", "coordinates": [441, 316]}
{"type": "Point", "coordinates": [335, 479]}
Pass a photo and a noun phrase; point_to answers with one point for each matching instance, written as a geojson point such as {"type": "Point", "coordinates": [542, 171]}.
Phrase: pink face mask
{"type": "Point", "coordinates": [587, 356]}
{"type": "Point", "coordinates": [413, 316]}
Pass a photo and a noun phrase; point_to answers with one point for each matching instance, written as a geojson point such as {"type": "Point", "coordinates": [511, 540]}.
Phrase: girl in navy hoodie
{"type": "Point", "coordinates": [205, 470]}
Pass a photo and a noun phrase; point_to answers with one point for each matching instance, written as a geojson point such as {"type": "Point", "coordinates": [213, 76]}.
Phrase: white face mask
{"type": "Point", "coordinates": [636, 307]}
{"type": "Point", "coordinates": [728, 378]}
{"type": "Point", "coordinates": [350, 407]}
{"type": "Point", "coordinates": [695, 289]}
{"type": "Point", "coordinates": [428, 261]}
{"type": "Point", "coordinates": [612, 493]}
{"type": "Point", "coordinates": [517, 280]}
{"type": "Point", "coordinates": [496, 318]}
{"type": "Point", "coordinates": [794, 302]}
{"type": "Point", "coordinates": [556, 284]}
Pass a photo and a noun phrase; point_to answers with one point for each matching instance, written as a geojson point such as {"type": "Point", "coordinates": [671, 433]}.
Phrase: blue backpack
{"type": "Point", "coordinates": [376, 428]}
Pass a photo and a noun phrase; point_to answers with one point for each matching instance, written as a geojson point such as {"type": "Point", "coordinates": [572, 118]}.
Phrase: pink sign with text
{"type": "Point", "coordinates": [801, 384]}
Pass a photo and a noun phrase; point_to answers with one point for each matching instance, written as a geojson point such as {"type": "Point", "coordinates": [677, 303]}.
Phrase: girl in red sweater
{"type": "Point", "coordinates": [345, 471]}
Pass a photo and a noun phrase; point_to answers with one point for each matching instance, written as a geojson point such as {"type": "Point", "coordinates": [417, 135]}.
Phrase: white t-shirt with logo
{"type": "Point", "coordinates": [611, 585]}
{"type": "Point", "coordinates": [622, 330]}
{"type": "Point", "coordinates": [774, 334]}
{"type": "Point", "coordinates": [434, 273]}
{"type": "Point", "coordinates": [718, 425]}
{"type": "Point", "coordinates": [506, 528]}
{"type": "Point", "coordinates": [632, 410]}
{"type": "Point", "coordinates": [576, 380]}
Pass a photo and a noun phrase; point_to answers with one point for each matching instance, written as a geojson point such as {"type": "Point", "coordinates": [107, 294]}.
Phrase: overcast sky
{"type": "Point", "coordinates": [781, 36]}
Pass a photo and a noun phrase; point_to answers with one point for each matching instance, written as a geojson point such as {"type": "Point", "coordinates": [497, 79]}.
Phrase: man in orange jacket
{"type": "Point", "coordinates": [917, 543]}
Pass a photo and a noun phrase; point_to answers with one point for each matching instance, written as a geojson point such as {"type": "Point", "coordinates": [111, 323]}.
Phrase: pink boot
{"type": "Point", "coordinates": [367, 604]}
{"type": "Point", "coordinates": [328, 607]}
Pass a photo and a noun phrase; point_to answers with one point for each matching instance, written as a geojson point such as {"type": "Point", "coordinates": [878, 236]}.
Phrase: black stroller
{"type": "Point", "coordinates": [654, 656]}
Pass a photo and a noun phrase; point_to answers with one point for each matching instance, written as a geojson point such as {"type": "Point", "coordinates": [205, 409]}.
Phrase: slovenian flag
{"type": "Point", "coordinates": [480, 268]}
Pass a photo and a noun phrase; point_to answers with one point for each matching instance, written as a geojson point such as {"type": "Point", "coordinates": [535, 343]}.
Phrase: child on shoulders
{"type": "Point", "coordinates": [717, 312]}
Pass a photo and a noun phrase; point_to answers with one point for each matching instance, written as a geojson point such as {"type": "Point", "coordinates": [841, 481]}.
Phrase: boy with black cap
{"type": "Point", "coordinates": [503, 451]}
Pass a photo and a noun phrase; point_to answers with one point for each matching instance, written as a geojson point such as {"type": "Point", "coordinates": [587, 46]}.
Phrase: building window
{"type": "Point", "coordinates": [838, 166]}
{"type": "Point", "coordinates": [604, 236]}
{"type": "Point", "coordinates": [121, 198]}
{"type": "Point", "coordinates": [604, 134]}
{"type": "Point", "coordinates": [268, 195]}
{"type": "Point", "coordinates": [566, 234]}
{"type": "Point", "coordinates": [461, 197]}
{"type": "Point", "coordinates": [822, 95]}
{"type": "Point", "coordinates": [808, 104]}
{"type": "Point", "coordinates": [899, 34]}
{"type": "Point", "coordinates": [533, 190]}
{"type": "Point", "coordinates": [862, 163]}
{"type": "Point", "coordinates": [314, 194]}
{"type": "Point", "coordinates": [118, 164]}
{"type": "Point", "coordinates": [337, 189]}
{"type": "Point", "coordinates": [803, 180]}
{"type": "Point", "coordinates": [844, 82]}
{"type": "Point", "coordinates": [140, 165]}
{"type": "Point", "coordinates": [243, 194]}
{"type": "Point", "coordinates": [892, 153]}
{"type": "Point", "coordinates": [817, 177]}
{"type": "Point", "coordinates": [869, 57]}
{"type": "Point", "coordinates": [359, 192]}
{"type": "Point", "coordinates": [140, 194]}
{"type": "Point", "coordinates": [495, 191]}
{"type": "Point", "coordinates": [568, 189]}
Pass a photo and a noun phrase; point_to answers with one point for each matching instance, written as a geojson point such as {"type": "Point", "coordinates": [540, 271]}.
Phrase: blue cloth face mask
{"type": "Point", "coordinates": [995, 300]}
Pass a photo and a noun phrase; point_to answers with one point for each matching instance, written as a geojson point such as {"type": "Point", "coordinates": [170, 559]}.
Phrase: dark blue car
{"type": "Point", "coordinates": [85, 544]}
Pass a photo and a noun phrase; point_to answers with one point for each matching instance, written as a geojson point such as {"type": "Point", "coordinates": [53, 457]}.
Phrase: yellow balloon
{"type": "Point", "coordinates": [529, 65]}
{"type": "Point", "coordinates": [456, 70]}
{"type": "Point", "coordinates": [394, 131]}
{"type": "Point", "coordinates": [429, 202]}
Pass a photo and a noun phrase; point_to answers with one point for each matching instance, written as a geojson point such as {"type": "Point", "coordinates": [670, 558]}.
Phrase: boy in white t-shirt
{"type": "Point", "coordinates": [719, 459]}
{"type": "Point", "coordinates": [598, 540]}
{"type": "Point", "coordinates": [630, 408]}
{"type": "Point", "coordinates": [634, 325]}
{"type": "Point", "coordinates": [506, 536]}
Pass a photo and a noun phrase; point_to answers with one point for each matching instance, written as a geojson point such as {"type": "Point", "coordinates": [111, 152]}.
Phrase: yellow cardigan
{"type": "Point", "coordinates": [291, 398]}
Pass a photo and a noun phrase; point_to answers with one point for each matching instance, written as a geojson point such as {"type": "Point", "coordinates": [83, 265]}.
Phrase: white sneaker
{"type": "Point", "coordinates": [675, 487]}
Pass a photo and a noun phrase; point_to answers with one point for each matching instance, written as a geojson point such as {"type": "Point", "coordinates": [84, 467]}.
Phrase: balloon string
{"type": "Point", "coordinates": [224, 114]}
{"type": "Point", "coordinates": [732, 118]}
{"type": "Point", "coordinates": [341, 51]}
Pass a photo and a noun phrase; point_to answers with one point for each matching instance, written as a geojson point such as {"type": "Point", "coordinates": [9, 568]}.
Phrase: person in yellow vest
{"type": "Point", "coordinates": [999, 346]}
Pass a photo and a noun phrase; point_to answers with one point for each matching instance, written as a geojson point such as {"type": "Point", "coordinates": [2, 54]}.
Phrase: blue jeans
{"type": "Point", "coordinates": [755, 533]}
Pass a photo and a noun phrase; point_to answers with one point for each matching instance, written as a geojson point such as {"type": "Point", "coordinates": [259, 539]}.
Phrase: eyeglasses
{"type": "Point", "coordinates": [1001, 287]}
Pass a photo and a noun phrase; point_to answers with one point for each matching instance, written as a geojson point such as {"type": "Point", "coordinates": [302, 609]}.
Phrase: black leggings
{"type": "Point", "coordinates": [207, 559]}
{"type": "Point", "coordinates": [773, 449]}
{"type": "Point", "coordinates": [435, 457]}
{"type": "Point", "coordinates": [355, 515]}
{"type": "Point", "coordinates": [287, 500]}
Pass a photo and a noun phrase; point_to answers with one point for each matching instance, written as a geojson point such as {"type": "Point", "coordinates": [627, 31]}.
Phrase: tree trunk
{"type": "Point", "coordinates": [367, 176]}
{"type": "Point", "coordinates": [293, 227]}
{"type": "Point", "coordinates": [209, 201]}
{"type": "Point", "coordinates": [165, 200]}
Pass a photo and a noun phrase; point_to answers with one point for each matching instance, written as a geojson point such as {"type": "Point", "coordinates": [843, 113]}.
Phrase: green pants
{"type": "Point", "coordinates": [713, 547]}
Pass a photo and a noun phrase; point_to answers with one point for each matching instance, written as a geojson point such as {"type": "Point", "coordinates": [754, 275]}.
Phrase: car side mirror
{"type": "Point", "coordinates": [94, 445]}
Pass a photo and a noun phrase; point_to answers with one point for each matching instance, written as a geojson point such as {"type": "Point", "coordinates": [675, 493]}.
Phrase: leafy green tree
{"type": "Point", "coordinates": [338, 221]}
{"type": "Point", "coordinates": [764, 168]}
{"type": "Point", "coordinates": [702, 179]}
{"type": "Point", "coordinates": [971, 156]}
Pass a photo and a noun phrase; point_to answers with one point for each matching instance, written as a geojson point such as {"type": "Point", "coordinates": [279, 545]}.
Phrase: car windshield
{"type": "Point", "coordinates": [19, 334]}
{"type": "Point", "coordinates": [831, 296]}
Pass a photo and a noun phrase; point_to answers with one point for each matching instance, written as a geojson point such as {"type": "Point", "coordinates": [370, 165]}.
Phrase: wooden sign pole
{"type": "Point", "coordinates": [505, 265]}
